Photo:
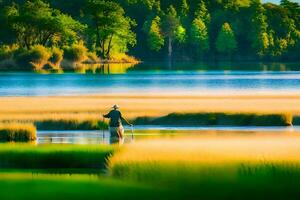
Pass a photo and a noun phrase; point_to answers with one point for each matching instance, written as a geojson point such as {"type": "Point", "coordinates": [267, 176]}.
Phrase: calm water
{"type": "Point", "coordinates": [150, 132]}
{"type": "Point", "coordinates": [151, 78]}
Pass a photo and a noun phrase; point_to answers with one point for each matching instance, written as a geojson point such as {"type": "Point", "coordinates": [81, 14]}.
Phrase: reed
{"type": "Point", "coordinates": [17, 132]}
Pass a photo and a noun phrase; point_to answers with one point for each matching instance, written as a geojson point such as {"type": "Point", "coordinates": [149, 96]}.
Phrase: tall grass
{"type": "Point", "coordinates": [25, 156]}
{"type": "Point", "coordinates": [17, 132]}
{"type": "Point", "coordinates": [220, 168]}
{"type": "Point", "coordinates": [204, 119]}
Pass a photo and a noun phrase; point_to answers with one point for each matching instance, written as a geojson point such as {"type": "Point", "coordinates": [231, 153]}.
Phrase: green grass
{"type": "Point", "coordinates": [63, 157]}
{"type": "Point", "coordinates": [215, 119]}
{"type": "Point", "coordinates": [16, 186]}
{"type": "Point", "coordinates": [70, 124]}
{"type": "Point", "coordinates": [228, 181]}
{"type": "Point", "coordinates": [17, 132]}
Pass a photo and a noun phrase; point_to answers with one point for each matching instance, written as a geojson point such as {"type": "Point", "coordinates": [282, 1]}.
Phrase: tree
{"type": "Point", "coordinates": [184, 9]}
{"type": "Point", "coordinates": [172, 29]}
{"type": "Point", "coordinates": [112, 29]}
{"type": "Point", "coordinates": [258, 29]}
{"type": "Point", "coordinates": [199, 36]}
{"type": "Point", "coordinates": [36, 23]}
{"type": "Point", "coordinates": [202, 13]}
{"type": "Point", "coordinates": [155, 38]}
{"type": "Point", "coordinates": [226, 42]}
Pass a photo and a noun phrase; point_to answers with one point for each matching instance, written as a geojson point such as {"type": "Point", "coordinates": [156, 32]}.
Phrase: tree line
{"type": "Point", "coordinates": [188, 30]}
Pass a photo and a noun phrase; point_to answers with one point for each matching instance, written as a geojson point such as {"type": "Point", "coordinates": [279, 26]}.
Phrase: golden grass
{"type": "Point", "coordinates": [17, 132]}
{"type": "Point", "coordinates": [213, 149]}
{"type": "Point", "coordinates": [188, 161]}
{"type": "Point", "coordinates": [137, 105]}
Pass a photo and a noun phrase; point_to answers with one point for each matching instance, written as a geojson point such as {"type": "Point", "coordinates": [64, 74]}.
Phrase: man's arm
{"type": "Point", "coordinates": [127, 122]}
{"type": "Point", "coordinates": [107, 115]}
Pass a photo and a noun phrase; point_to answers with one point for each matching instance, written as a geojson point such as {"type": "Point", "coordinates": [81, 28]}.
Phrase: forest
{"type": "Point", "coordinates": [40, 31]}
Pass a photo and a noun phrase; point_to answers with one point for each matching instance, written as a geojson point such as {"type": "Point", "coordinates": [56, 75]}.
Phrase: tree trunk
{"type": "Point", "coordinates": [109, 47]}
{"type": "Point", "coordinates": [170, 52]}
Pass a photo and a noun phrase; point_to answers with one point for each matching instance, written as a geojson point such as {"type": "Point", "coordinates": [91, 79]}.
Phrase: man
{"type": "Point", "coordinates": [115, 125]}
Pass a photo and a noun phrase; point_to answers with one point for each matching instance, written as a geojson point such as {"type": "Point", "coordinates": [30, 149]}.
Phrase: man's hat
{"type": "Point", "coordinates": [115, 106]}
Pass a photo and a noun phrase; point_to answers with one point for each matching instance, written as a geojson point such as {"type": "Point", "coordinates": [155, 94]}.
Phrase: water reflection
{"type": "Point", "coordinates": [154, 132]}
{"type": "Point", "coordinates": [78, 137]}
{"type": "Point", "coordinates": [113, 68]}
{"type": "Point", "coordinates": [220, 66]}
{"type": "Point", "coordinates": [123, 68]}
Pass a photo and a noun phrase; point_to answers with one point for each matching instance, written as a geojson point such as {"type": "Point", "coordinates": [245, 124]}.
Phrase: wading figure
{"type": "Point", "coordinates": [115, 125]}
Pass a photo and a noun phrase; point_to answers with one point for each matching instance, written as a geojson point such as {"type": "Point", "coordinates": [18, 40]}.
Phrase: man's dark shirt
{"type": "Point", "coordinates": [115, 118]}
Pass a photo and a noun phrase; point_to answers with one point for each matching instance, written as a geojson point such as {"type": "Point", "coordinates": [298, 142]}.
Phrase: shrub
{"type": "Point", "coordinates": [34, 59]}
{"type": "Point", "coordinates": [39, 56]}
{"type": "Point", "coordinates": [92, 57]}
{"type": "Point", "coordinates": [123, 58]}
{"type": "Point", "coordinates": [17, 132]}
{"type": "Point", "coordinates": [56, 57]}
{"type": "Point", "coordinates": [76, 52]}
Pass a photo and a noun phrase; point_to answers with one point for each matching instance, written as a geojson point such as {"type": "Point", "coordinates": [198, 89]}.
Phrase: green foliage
{"type": "Point", "coordinates": [180, 34]}
{"type": "Point", "coordinates": [202, 13]}
{"type": "Point", "coordinates": [199, 35]}
{"type": "Point", "coordinates": [258, 31]}
{"type": "Point", "coordinates": [170, 23]}
{"type": "Point", "coordinates": [226, 42]}
{"type": "Point", "coordinates": [76, 52]}
{"type": "Point", "coordinates": [110, 26]}
{"type": "Point", "coordinates": [184, 10]}
{"type": "Point", "coordinates": [263, 31]}
{"type": "Point", "coordinates": [155, 38]}
{"type": "Point", "coordinates": [34, 22]}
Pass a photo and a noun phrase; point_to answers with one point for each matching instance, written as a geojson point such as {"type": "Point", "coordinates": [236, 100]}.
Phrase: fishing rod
{"type": "Point", "coordinates": [132, 135]}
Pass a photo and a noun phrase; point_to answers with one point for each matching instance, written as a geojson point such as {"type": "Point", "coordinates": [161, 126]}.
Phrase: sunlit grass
{"type": "Point", "coordinates": [139, 105]}
{"type": "Point", "coordinates": [18, 132]}
{"type": "Point", "coordinates": [222, 167]}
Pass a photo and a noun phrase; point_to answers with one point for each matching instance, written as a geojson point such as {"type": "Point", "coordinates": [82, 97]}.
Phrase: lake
{"type": "Point", "coordinates": [157, 132]}
{"type": "Point", "coordinates": [157, 78]}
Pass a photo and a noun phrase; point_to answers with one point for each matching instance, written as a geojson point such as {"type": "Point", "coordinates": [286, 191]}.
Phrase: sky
{"type": "Point", "coordinates": [278, 1]}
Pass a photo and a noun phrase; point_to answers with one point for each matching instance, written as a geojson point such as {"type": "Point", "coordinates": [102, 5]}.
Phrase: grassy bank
{"type": "Point", "coordinates": [54, 156]}
{"type": "Point", "coordinates": [17, 132]}
{"type": "Point", "coordinates": [216, 119]}
{"type": "Point", "coordinates": [210, 168]}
